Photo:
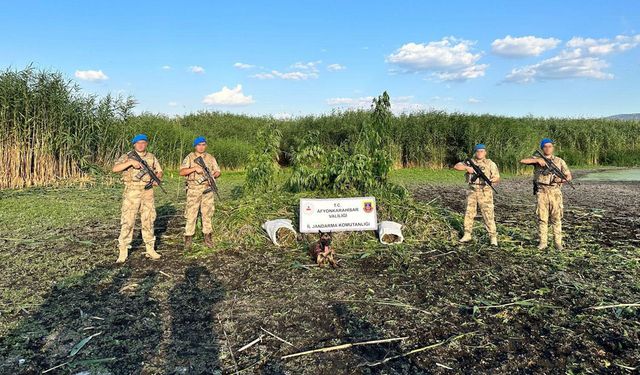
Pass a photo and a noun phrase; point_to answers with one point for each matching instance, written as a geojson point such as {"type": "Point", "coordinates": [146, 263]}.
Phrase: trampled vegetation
{"type": "Point", "coordinates": [471, 308]}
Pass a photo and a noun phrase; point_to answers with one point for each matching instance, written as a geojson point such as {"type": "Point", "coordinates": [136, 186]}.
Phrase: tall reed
{"type": "Point", "coordinates": [52, 131]}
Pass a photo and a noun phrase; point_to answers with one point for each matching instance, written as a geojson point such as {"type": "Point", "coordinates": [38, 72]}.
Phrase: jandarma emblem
{"type": "Point", "coordinates": [368, 206]}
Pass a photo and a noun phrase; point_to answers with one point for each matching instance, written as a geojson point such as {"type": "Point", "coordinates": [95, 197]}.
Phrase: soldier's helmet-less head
{"type": "Point", "coordinates": [546, 144]}
{"type": "Point", "coordinates": [139, 137]}
{"type": "Point", "coordinates": [139, 142]}
{"type": "Point", "coordinates": [480, 150]}
{"type": "Point", "coordinates": [200, 144]}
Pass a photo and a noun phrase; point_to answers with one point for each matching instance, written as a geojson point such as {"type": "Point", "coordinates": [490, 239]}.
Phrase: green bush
{"type": "Point", "coordinates": [360, 165]}
{"type": "Point", "coordinates": [263, 168]}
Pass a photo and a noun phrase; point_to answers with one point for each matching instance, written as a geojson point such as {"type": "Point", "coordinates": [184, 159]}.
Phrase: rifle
{"type": "Point", "coordinates": [146, 170]}
{"type": "Point", "coordinates": [478, 173]}
{"type": "Point", "coordinates": [554, 169]}
{"type": "Point", "coordinates": [207, 173]}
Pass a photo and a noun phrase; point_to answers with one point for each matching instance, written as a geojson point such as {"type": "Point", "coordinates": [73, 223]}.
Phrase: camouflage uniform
{"type": "Point", "coordinates": [197, 200]}
{"type": "Point", "coordinates": [136, 199]}
{"type": "Point", "coordinates": [481, 195]}
{"type": "Point", "coordinates": [550, 206]}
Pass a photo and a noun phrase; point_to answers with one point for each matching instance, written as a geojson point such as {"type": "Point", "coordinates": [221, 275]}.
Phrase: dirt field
{"type": "Point", "coordinates": [605, 212]}
{"type": "Point", "coordinates": [457, 309]}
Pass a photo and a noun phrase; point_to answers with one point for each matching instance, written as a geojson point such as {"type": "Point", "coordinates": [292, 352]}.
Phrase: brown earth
{"type": "Point", "coordinates": [607, 212]}
{"type": "Point", "coordinates": [466, 309]}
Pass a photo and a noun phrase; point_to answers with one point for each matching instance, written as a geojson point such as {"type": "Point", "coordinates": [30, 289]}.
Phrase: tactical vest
{"type": "Point", "coordinates": [194, 178]}
{"type": "Point", "coordinates": [543, 175]}
{"type": "Point", "coordinates": [137, 176]}
{"type": "Point", "coordinates": [486, 167]}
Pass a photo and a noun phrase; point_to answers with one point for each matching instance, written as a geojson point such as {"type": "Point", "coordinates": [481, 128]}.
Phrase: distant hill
{"type": "Point", "coordinates": [625, 116]}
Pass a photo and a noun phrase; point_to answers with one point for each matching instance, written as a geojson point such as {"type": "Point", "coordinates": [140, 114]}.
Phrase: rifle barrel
{"type": "Point", "coordinates": [212, 181]}
{"type": "Point", "coordinates": [481, 174]}
{"type": "Point", "coordinates": [152, 174]}
{"type": "Point", "coordinates": [554, 168]}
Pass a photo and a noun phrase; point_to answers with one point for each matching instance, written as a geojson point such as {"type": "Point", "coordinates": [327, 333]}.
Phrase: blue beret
{"type": "Point", "coordinates": [139, 137]}
{"type": "Point", "coordinates": [480, 146]}
{"type": "Point", "coordinates": [545, 141]}
{"type": "Point", "coordinates": [199, 140]}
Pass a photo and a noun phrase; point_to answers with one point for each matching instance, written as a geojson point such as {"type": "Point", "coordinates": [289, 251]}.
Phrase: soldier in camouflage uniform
{"type": "Point", "coordinates": [480, 194]}
{"type": "Point", "coordinates": [197, 199]}
{"type": "Point", "coordinates": [549, 194]}
{"type": "Point", "coordinates": [136, 199]}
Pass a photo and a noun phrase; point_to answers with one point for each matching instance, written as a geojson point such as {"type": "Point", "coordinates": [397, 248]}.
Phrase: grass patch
{"type": "Point", "coordinates": [410, 177]}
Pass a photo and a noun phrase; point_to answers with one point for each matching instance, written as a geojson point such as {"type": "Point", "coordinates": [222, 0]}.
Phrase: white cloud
{"type": "Point", "coordinates": [311, 66]}
{"type": "Point", "coordinates": [473, 71]}
{"type": "Point", "coordinates": [604, 46]}
{"type": "Point", "coordinates": [399, 104]}
{"type": "Point", "coordinates": [196, 69]}
{"type": "Point", "coordinates": [283, 116]}
{"type": "Point", "coordinates": [240, 65]}
{"type": "Point", "coordinates": [335, 67]}
{"type": "Point", "coordinates": [474, 100]}
{"type": "Point", "coordinates": [228, 97]}
{"type": "Point", "coordinates": [166, 67]}
{"type": "Point", "coordinates": [523, 46]}
{"type": "Point", "coordinates": [447, 59]}
{"type": "Point", "coordinates": [91, 75]}
{"type": "Point", "coordinates": [568, 64]}
{"type": "Point", "coordinates": [263, 76]}
{"type": "Point", "coordinates": [172, 104]}
{"type": "Point", "coordinates": [362, 102]}
{"type": "Point", "coordinates": [441, 98]}
{"type": "Point", "coordinates": [301, 71]}
{"type": "Point", "coordinates": [296, 76]}
{"type": "Point", "coordinates": [581, 58]}
{"type": "Point", "coordinates": [293, 76]}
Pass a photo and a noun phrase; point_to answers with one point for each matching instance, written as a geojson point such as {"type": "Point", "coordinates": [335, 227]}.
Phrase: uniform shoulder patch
{"type": "Point", "coordinates": [122, 158]}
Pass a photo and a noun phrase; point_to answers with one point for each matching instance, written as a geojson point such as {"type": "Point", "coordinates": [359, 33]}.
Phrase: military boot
{"type": "Point", "coordinates": [466, 237]}
{"type": "Point", "coordinates": [122, 257]}
{"type": "Point", "coordinates": [151, 253]}
{"type": "Point", "coordinates": [494, 241]}
{"type": "Point", "coordinates": [544, 236]}
{"type": "Point", "coordinates": [207, 240]}
{"type": "Point", "coordinates": [188, 241]}
{"type": "Point", "coordinates": [557, 236]}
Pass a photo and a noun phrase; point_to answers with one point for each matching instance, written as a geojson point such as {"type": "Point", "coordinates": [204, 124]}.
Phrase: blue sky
{"type": "Point", "coordinates": [547, 58]}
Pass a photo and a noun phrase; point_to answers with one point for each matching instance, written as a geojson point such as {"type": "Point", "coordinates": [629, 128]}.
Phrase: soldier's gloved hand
{"type": "Point", "coordinates": [135, 164]}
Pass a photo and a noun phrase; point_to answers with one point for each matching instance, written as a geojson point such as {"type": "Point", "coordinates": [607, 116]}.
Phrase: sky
{"type": "Point", "coordinates": [292, 58]}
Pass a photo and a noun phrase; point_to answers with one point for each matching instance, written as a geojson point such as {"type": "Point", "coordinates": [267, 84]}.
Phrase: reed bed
{"type": "Point", "coordinates": [52, 131]}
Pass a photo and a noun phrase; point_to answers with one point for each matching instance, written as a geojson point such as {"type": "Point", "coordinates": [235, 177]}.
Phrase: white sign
{"type": "Point", "coordinates": [338, 215]}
